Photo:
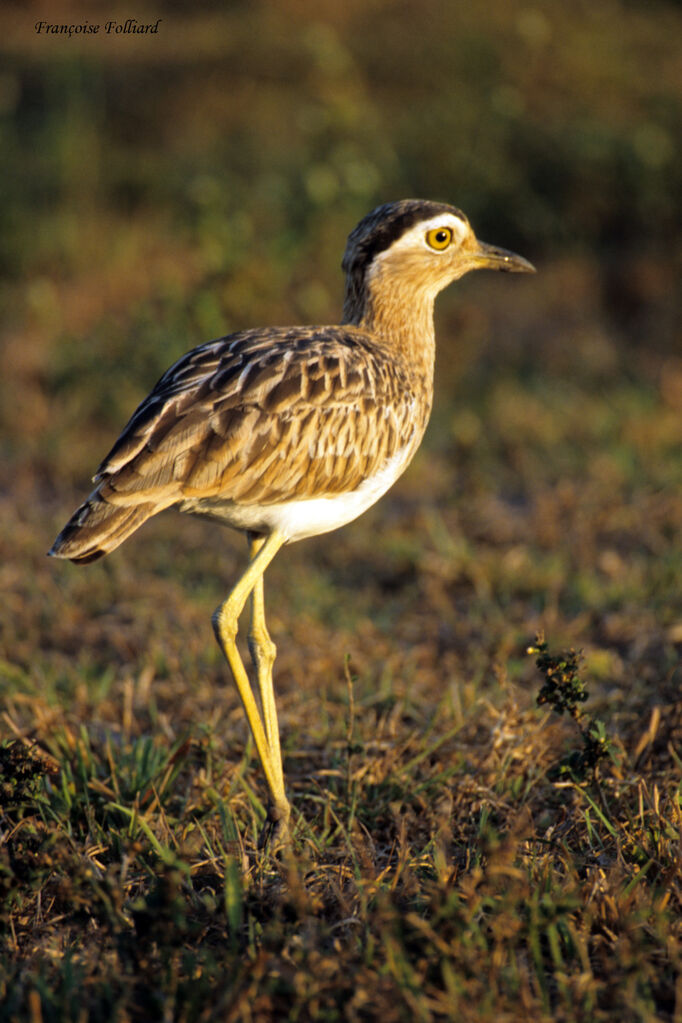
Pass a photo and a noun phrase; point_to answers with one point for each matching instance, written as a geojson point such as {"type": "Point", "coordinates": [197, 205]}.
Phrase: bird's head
{"type": "Point", "coordinates": [415, 248]}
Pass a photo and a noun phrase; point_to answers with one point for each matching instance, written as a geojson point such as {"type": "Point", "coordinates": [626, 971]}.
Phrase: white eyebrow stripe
{"type": "Point", "coordinates": [417, 233]}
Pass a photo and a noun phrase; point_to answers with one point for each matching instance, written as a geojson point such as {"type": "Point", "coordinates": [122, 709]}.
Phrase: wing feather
{"type": "Point", "coordinates": [265, 416]}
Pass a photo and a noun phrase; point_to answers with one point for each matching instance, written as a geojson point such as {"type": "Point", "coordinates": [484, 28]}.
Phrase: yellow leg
{"type": "Point", "coordinates": [225, 623]}
{"type": "Point", "coordinates": [263, 652]}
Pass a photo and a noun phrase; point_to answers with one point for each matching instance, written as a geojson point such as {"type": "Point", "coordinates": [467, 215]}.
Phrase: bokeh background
{"type": "Point", "coordinates": [161, 189]}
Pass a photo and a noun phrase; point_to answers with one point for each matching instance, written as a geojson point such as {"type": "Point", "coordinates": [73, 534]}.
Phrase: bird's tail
{"type": "Point", "coordinates": [98, 527]}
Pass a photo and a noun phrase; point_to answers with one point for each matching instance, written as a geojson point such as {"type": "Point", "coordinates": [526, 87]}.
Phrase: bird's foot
{"type": "Point", "coordinates": [276, 832]}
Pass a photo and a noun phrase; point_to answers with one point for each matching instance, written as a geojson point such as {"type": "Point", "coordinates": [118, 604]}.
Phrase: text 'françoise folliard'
{"type": "Point", "coordinates": [131, 26]}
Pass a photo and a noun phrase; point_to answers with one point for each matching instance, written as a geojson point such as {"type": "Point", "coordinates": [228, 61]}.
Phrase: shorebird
{"type": "Point", "coordinates": [288, 432]}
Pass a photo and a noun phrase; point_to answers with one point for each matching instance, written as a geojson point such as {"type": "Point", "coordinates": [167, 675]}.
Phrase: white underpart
{"type": "Point", "coordinates": [297, 520]}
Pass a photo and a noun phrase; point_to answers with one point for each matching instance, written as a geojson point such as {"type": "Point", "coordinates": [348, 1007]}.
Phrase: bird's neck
{"type": "Point", "coordinates": [399, 318]}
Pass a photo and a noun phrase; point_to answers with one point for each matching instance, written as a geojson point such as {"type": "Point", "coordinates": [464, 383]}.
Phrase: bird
{"type": "Point", "coordinates": [284, 433]}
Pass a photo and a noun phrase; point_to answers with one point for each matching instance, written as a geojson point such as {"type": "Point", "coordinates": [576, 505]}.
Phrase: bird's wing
{"type": "Point", "coordinates": [262, 417]}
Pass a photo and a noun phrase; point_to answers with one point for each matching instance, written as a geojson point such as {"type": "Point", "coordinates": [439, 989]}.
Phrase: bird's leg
{"type": "Point", "coordinates": [225, 622]}
{"type": "Point", "coordinates": [263, 652]}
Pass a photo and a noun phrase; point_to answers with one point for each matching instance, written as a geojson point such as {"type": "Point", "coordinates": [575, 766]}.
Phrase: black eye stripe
{"type": "Point", "coordinates": [385, 224]}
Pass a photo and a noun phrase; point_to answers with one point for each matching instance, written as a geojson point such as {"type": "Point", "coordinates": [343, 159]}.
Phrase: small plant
{"type": "Point", "coordinates": [22, 769]}
{"type": "Point", "coordinates": [564, 690]}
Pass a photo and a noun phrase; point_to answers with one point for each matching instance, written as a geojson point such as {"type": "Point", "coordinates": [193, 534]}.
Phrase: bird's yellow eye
{"type": "Point", "coordinates": [439, 238]}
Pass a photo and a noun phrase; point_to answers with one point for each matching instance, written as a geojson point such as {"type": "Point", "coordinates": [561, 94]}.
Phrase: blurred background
{"type": "Point", "coordinates": [162, 189]}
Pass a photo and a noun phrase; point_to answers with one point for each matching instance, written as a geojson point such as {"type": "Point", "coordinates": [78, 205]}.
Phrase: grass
{"type": "Point", "coordinates": [462, 850]}
{"type": "Point", "coordinates": [437, 871]}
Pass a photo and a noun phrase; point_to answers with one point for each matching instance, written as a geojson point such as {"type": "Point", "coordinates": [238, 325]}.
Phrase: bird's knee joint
{"type": "Point", "coordinates": [261, 646]}
{"type": "Point", "coordinates": [224, 623]}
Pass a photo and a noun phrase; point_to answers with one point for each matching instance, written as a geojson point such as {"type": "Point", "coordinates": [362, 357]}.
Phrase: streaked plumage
{"type": "Point", "coordinates": [285, 432]}
{"type": "Point", "coordinates": [252, 421]}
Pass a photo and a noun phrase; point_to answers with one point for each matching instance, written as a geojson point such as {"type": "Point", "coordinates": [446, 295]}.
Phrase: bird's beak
{"type": "Point", "coordinates": [493, 258]}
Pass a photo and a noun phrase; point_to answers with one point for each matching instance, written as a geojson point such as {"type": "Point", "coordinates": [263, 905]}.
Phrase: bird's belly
{"type": "Point", "coordinates": [298, 519]}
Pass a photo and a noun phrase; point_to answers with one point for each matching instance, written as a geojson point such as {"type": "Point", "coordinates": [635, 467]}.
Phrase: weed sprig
{"type": "Point", "coordinates": [564, 690]}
